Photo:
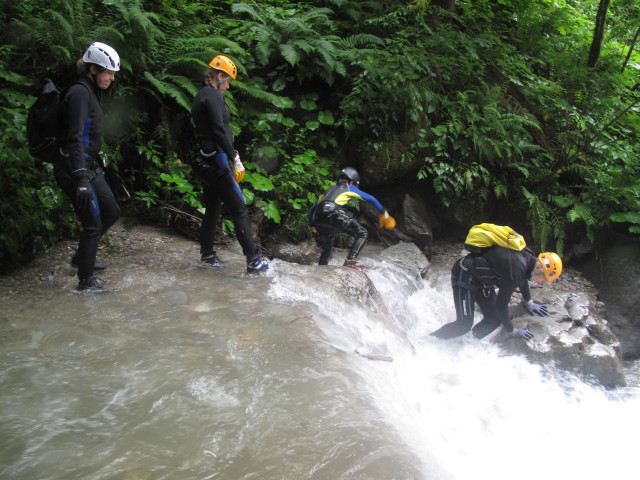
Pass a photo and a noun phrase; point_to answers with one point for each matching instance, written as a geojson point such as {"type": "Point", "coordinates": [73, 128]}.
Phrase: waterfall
{"type": "Point", "coordinates": [466, 409]}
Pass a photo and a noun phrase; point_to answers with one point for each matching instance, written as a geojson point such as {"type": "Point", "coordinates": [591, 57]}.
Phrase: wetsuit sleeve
{"type": "Point", "coordinates": [502, 307]}
{"type": "Point", "coordinates": [215, 107]}
{"type": "Point", "coordinates": [77, 101]}
{"type": "Point", "coordinates": [312, 214]}
{"type": "Point", "coordinates": [370, 199]}
{"type": "Point", "coordinates": [524, 290]}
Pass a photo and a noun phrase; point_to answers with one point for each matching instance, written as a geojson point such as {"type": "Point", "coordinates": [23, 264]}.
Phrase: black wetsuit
{"type": "Point", "coordinates": [82, 118]}
{"type": "Point", "coordinates": [473, 280]}
{"type": "Point", "coordinates": [211, 117]}
{"type": "Point", "coordinates": [329, 216]}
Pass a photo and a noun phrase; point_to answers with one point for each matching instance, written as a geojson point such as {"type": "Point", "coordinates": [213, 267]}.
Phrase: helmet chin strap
{"type": "Point", "coordinates": [214, 82]}
{"type": "Point", "coordinates": [94, 76]}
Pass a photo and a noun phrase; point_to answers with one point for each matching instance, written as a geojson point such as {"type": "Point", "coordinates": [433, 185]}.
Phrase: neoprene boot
{"type": "Point", "coordinates": [210, 260]}
{"type": "Point", "coordinates": [257, 264]}
{"type": "Point", "coordinates": [92, 284]}
{"type": "Point", "coordinates": [98, 265]}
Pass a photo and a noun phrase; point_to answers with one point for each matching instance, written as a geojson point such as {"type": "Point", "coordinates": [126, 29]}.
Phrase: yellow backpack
{"type": "Point", "coordinates": [487, 235]}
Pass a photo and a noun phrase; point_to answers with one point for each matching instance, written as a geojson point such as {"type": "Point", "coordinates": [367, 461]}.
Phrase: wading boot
{"type": "Point", "coordinates": [257, 264]}
{"type": "Point", "coordinates": [92, 284]}
{"type": "Point", "coordinates": [209, 260]}
{"type": "Point", "coordinates": [98, 265]}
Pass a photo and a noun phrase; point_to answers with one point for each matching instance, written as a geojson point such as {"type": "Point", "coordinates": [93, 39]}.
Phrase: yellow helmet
{"type": "Point", "coordinates": [551, 265]}
{"type": "Point", "coordinates": [225, 64]}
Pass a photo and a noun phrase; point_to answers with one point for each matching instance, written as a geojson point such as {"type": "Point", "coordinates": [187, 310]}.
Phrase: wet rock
{"type": "Point", "coordinates": [573, 336]}
{"type": "Point", "coordinates": [406, 256]}
{"type": "Point", "coordinates": [304, 253]}
{"type": "Point", "coordinates": [617, 276]}
{"type": "Point", "coordinates": [415, 222]}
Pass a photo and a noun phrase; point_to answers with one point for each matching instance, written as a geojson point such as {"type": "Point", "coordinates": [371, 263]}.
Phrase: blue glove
{"type": "Point", "coordinates": [533, 307]}
{"type": "Point", "coordinates": [522, 333]}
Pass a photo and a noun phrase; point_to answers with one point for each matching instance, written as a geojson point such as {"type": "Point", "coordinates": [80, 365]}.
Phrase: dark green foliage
{"type": "Point", "coordinates": [34, 212]}
{"type": "Point", "coordinates": [489, 104]}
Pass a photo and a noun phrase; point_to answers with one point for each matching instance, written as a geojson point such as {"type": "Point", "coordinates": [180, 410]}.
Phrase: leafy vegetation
{"type": "Point", "coordinates": [497, 105]}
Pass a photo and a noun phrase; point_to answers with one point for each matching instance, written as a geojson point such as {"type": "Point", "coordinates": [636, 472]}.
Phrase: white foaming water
{"type": "Point", "coordinates": [468, 410]}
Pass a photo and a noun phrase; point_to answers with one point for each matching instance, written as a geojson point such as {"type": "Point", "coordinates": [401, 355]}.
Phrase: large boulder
{"type": "Point", "coordinates": [617, 276]}
{"type": "Point", "coordinates": [574, 337]}
{"type": "Point", "coordinates": [415, 221]}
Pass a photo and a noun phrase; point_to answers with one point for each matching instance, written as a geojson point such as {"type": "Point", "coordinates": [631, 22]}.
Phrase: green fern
{"type": "Point", "coordinates": [170, 88]}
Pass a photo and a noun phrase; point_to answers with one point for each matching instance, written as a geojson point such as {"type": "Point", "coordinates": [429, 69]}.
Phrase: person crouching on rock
{"type": "Point", "coordinates": [329, 216]}
{"type": "Point", "coordinates": [474, 279]}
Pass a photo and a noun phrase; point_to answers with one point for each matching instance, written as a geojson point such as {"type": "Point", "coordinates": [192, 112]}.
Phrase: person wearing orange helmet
{"type": "Point", "coordinates": [217, 163]}
{"type": "Point", "coordinates": [475, 278]}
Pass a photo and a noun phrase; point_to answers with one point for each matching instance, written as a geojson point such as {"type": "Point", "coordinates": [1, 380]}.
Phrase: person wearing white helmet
{"type": "Point", "coordinates": [102, 55]}
{"type": "Point", "coordinates": [78, 168]}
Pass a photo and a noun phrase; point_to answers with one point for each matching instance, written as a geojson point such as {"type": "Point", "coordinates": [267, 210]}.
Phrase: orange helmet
{"type": "Point", "coordinates": [225, 64]}
{"type": "Point", "coordinates": [551, 265]}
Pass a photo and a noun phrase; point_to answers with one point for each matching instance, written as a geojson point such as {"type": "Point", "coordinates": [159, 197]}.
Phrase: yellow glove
{"type": "Point", "coordinates": [386, 221]}
{"type": "Point", "coordinates": [238, 168]}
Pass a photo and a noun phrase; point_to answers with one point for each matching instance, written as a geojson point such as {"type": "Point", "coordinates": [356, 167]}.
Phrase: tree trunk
{"type": "Point", "coordinates": [631, 47]}
{"type": "Point", "coordinates": [598, 34]}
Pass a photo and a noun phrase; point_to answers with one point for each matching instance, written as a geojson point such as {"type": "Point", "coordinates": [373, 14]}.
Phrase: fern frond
{"type": "Point", "coordinates": [169, 89]}
{"type": "Point", "coordinates": [316, 14]}
{"type": "Point", "coordinates": [275, 100]}
{"type": "Point", "coordinates": [354, 41]}
{"type": "Point", "coordinates": [109, 35]}
{"type": "Point", "coordinates": [303, 45]}
{"type": "Point", "coordinates": [132, 13]}
{"type": "Point", "coordinates": [581, 170]}
{"type": "Point", "coordinates": [290, 53]}
{"type": "Point", "coordinates": [238, 8]}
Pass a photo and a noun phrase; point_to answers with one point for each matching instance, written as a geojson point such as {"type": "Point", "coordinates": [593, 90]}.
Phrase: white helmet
{"type": "Point", "coordinates": [103, 55]}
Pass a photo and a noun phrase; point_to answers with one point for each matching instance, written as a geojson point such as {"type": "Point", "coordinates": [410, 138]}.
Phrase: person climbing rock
{"type": "Point", "coordinates": [330, 215]}
{"type": "Point", "coordinates": [476, 277]}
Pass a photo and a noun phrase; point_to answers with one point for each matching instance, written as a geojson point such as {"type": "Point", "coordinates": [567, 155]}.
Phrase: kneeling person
{"type": "Point", "coordinates": [474, 279]}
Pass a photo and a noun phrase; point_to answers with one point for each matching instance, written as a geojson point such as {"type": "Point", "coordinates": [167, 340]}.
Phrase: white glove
{"type": "Point", "coordinates": [238, 168]}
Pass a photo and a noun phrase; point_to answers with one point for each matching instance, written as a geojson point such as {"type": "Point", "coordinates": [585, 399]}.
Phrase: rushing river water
{"type": "Point", "coordinates": [192, 373]}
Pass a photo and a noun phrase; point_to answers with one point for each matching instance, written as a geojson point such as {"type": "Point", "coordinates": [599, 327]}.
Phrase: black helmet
{"type": "Point", "coordinates": [350, 174]}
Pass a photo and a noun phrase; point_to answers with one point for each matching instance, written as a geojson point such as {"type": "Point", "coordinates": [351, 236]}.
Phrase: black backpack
{"type": "Point", "coordinates": [43, 123]}
{"type": "Point", "coordinates": [44, 133]}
